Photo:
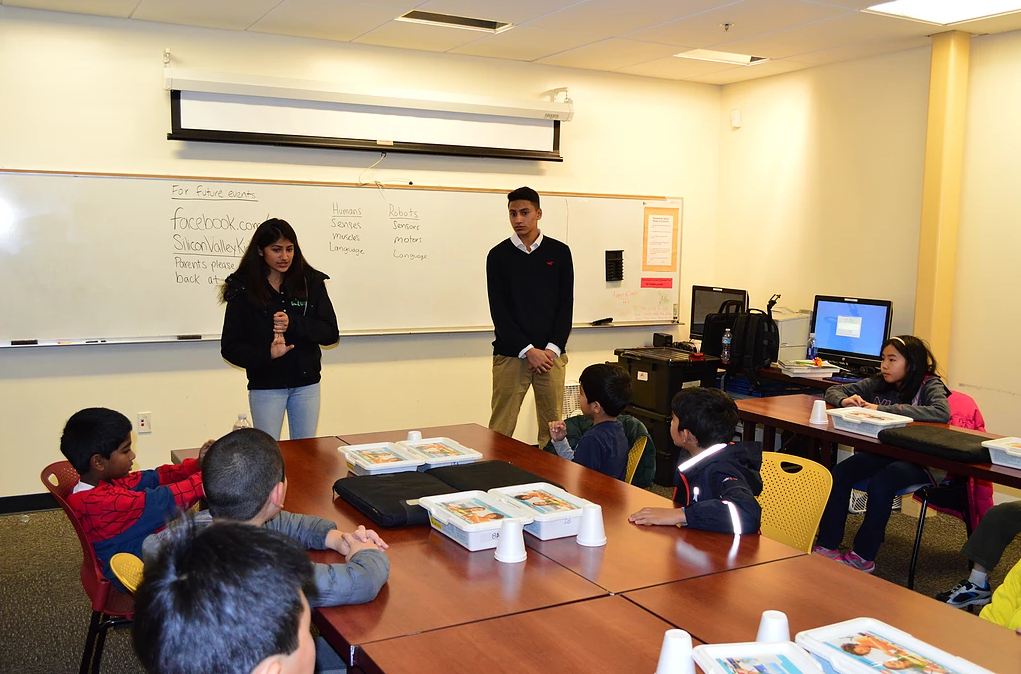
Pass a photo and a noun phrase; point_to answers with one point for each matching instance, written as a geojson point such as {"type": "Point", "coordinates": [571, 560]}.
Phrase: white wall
{"type": "Point", "coordinates": [984, 361]}
{"type": "Point", "coordinates": [84, 93]}
{"type": "Point", "coordinates": [820, 188]}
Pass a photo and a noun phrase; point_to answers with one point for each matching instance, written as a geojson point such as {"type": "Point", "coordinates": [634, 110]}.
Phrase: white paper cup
{"type": "Point", "coordinates": [818, 413]}
{"type": "Point", "coordinates": [773, 628]}
{"type": "Point", "coordinates": [591, 533]}
{"type": "Point", "coordinates": [675, 656]}
{"type": "Point", "coordinates": [510, 548]}
{"type": "Point", "coordinates": [414, 436]}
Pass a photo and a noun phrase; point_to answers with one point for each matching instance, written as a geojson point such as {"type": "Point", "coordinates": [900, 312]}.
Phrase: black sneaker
{"type": "Point", "coordinates": [964, 594]}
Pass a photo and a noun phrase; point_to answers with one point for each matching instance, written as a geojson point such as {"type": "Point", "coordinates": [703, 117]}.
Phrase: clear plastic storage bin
{"type": "Point", "coordinates": [556, 513]}
{"type": "Point", "coordinates": [472, 518]}
{"type": "Point", "coordinates": [783, 657]}
{"type": "Point", "coordinates": [1005, 451]}
{"type": "Point", "coordinates": [436, 452]}
{"type": "Point", "coordinates": [868, 646]}
{"type": "Point", "coordinates": [865, 421]}
{"type": "Point", "coordinates": [379, 457]}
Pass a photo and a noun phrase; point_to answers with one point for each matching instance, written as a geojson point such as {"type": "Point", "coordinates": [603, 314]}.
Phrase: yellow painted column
{"type": "Point", "coordinates": [941, 191]}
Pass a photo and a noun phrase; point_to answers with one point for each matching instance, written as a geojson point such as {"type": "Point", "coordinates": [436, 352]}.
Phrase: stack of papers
{"type": "Point", "coordinates": [808, 368]}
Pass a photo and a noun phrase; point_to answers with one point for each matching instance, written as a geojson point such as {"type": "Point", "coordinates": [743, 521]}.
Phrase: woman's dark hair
{"type": "Point", "coordinates": [919, 362]}
{"type": "Point", "coordinates": [252, 270]}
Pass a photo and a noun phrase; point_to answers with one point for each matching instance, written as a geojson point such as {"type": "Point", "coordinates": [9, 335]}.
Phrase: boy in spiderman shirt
{"type": "Point", "coordinates": [116, 507]}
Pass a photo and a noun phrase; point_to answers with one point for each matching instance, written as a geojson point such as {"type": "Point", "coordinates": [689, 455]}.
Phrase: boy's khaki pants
{"type": "Point", "coordinates": [511, 379]}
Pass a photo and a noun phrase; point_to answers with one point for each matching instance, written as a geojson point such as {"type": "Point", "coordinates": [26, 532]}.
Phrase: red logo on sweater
{"type": "Point", "coordinates": [550, 263]}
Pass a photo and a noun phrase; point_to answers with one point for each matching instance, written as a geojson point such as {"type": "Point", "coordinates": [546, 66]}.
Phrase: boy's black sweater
{"type": "Point", "coordinates": [728, 476]}
{"type": "Point", "coordinates": [531, 296]}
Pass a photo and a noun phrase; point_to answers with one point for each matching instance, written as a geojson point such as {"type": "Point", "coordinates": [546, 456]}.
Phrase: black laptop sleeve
{"type": "Point", "coordinates": [946, 443]}
{"type": "Point", "coordinates": [384, 499]}
{"type": "Point", "coordinates": [485, 475]}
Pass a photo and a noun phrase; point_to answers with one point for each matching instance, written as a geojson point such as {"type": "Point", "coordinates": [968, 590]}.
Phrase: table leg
{"type": "Point", "coordinates": [768, 438]}
{"type": "Point", "coordinates": [749, 431]}
{"type": "Point", "coordinates": [827, 451]}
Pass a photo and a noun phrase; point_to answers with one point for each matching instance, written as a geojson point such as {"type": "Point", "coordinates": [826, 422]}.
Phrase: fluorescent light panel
{"type": "Point", "coordinates": [453, 21]}
{"type": "Point", "coordinates": [721, 57]}
{"type": "Point", "coordinates": [945, 12]}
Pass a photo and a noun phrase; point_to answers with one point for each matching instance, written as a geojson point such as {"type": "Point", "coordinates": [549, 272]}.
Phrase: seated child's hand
{"type": "Point", "coordinates": [557, 430]}
{"type": "Point", "coordinates": [205, 448]}
{"type": "Point", "coordinates": [369, 536]}
{"type": "Point", "coordinates": [853, 401]}
{"type": "Point", "coordinates": [354, 545]}
{"type": "Point", "coordinates": [649, 516]}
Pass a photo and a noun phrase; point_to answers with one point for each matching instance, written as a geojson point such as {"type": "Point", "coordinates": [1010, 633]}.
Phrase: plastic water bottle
{"type": "Point", "coordinates": [812, 352]}
{"type": "Point", "coordinates": [725, 351]}
{"type": "Point", "coordinates": [242, 422]}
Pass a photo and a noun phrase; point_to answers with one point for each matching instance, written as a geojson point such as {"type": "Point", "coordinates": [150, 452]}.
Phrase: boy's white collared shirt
{"type": "Point", "coordinates": [520, 245]}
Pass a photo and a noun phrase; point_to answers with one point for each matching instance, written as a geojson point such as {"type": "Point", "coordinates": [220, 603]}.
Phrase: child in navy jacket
{"type": "Point", "coordinates": [717, 486]}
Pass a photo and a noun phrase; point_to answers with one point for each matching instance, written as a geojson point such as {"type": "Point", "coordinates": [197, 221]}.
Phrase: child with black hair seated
{"type": "Point", "coordinates": [605, 392]}
{"type": "Point", "coordinates": [907, 385]}
{"type": "Point", "coordinates": [717, 486]}
{"type": "Point", "coordinates": [245, 482]}
{"type": "Point", "coordinates": [116, 507]}
{"type": "Point", "coordinates": [229, 598]}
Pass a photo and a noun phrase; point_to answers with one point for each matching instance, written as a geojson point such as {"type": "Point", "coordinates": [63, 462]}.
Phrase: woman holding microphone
{"type": "Point", "coordinates": [278, 314]}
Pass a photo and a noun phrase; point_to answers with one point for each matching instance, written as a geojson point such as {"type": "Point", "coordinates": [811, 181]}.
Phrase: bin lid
{"type": "Point", "coordinates": [663, 354]}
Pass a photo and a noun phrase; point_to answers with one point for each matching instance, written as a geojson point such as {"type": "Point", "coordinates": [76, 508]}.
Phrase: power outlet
{"type": "Point", "coordinates": [144, 422]}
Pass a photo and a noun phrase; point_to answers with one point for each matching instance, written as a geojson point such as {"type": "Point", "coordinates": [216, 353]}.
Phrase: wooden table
{"type": "Point", "coordinates": [634, 556]}
{"type": "Point", "coordinates": [792, 412]}
{"type": "Point", "coordinates": [775, 374]}
{"type": "Point", "coordinates": [609, 634]}
{"type": "Point", "coordinates": [814, 591]}
{"type": "Point", "coordinates": [434, 582]}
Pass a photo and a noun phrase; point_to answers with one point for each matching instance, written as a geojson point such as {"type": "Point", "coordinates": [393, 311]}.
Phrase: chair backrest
{"type": "Point", "coordinates": [128, 570]}
{"type": "Point", "coordinates": [633, 457]}
{"type": "Point", "coordinates": [793, 502]}
{"type": "Point", "coordinates": [59, 478]}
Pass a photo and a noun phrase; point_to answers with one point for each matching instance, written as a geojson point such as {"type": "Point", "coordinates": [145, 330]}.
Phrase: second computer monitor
{"type": "Point", "coordinates": [851, 330]}
{"type": "Point", "coordinates": [707, 300]}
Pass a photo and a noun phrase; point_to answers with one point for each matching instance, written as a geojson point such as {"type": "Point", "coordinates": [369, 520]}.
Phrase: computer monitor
{"type": "Point", "coordinates": [850, 331]}
{"type": "Point", "coordinates": [707, 300]}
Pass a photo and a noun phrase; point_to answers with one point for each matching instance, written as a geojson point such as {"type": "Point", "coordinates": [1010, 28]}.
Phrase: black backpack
{"type": "Point", "coordinates": [716, 324]}
{"type": "Point", "coordinates": [756, 342]}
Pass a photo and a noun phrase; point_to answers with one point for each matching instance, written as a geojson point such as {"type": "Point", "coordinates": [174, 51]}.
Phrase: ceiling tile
{"type": "Point", "coordinates": [120, 8]}
{"type": "Point", "coordinates": [742, 73]}
{"type": "Point", "coordinates": [862, 50]}
{"type": "Point", "coordinates": [404, 35]}
{"type": "Point", "coordinates": [610, 55]}
{"type": "Point", "coordinates": [515, 11]}
{"type": "Point", "coordinates": [673, 68]}
{"type": "Point", "coordinates": [608, 18]}
{"type": "Point", "coordinates": [749, 18]}
{"type": "Point", "coordinates": [226, 14]}
{"type": "Point", "coordinates": [523, 43]}
{"type": "Point", "coordinates": [323, 19]}
{"type": "Point", "coordinates": [996, 24]}
{"type": "Point", "coordinates": [840, 31]}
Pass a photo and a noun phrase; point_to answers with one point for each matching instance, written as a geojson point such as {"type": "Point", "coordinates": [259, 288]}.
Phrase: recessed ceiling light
{"type": "Point", "coordinates": [453, 21]}
{"type": "Point", "coordinates": [721, 57]}
{"type": "Point", "coordinates": [945, 12]}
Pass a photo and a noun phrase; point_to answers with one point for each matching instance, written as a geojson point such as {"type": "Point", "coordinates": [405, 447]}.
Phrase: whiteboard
{"type": "Point", "coordinates": [122, 258]}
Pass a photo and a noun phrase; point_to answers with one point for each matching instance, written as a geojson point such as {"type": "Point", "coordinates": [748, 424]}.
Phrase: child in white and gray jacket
{"type": "Point", "coordinates": [243, 477]}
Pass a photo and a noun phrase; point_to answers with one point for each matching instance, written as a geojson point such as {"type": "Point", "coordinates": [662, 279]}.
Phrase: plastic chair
{"type": "Point", "coordinates": [128, 570]}
{"type": "Point", "coordinates": [793, 500]}
{"type": "Point", "coordinates": [110, 608]}
{"type": "Point", "coordinates": [634, 456]}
